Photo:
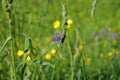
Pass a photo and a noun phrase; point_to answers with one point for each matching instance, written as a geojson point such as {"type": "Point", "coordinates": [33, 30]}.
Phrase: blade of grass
{"type": "Point", "coordinates": [6, 41]}
{"type": "Point", "coordinates": [71, 59]}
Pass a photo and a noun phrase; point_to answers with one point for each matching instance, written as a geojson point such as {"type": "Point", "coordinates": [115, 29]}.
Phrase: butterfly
{"type": "Point", "coordinates": [58, 37]}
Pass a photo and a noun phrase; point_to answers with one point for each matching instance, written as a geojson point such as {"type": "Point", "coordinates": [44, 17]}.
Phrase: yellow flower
{"type": "Point", "coordinates": [56, 24]}
{"type": "Point", "coordinates": [20, 52]}
{"type": "Point", "coordinates": [110, 54]}
{"type": "Point", "coordinates": [81, 47]}
{"type": "Point", "coordinates": [48, 56]}
{"type": "Point", "coordinates": [101, 55]}
{"type": "Point", "coordinates": [69, 23]}
{"type": "Point", "coordinates": [28, 58]}
{"type": "Point", "coordinates": [53, 51]}
{"type": "Point", "coordinates": [68, 26]}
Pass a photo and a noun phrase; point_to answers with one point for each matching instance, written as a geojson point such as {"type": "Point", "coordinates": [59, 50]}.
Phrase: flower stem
{"type": "Point", "coordinates": [7, 4]}
{"type": "Point", "coordinates": [71, 61]}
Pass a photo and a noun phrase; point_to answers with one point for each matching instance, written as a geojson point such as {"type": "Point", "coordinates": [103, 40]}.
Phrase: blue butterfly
{"type": "Point", "coordinates": [58, 37]}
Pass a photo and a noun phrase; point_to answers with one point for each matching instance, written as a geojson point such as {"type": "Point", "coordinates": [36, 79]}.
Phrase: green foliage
{"type": "Point", "coordinates": [90, 51]}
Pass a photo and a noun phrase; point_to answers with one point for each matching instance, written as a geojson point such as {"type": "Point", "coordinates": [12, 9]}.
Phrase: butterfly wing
{"type": "Point", "coordinates": [57, 37]}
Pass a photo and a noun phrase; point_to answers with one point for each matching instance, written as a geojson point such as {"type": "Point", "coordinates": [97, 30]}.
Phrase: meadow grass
{"type": "Point", "coordinates": [59, 40]}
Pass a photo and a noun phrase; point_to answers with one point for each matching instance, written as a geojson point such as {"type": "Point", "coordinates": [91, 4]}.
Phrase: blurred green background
{"type": "Point", "coordinates": [97, 39]}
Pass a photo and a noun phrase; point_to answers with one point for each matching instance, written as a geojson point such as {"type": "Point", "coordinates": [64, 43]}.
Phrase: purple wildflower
{"type": "Point", "coordinates": [104, 31]}
{"type": "Point", "coordinates": [113, 35]}
{"type": "Point", "coordinates": [96, 35]}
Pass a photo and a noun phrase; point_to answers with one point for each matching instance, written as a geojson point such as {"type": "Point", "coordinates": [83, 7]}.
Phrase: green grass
{"type": "Point", "coordinates": [32, 29]}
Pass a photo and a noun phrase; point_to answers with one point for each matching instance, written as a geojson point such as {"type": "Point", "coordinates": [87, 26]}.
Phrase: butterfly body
{"type": "Point", "coordinates": [58, 37]}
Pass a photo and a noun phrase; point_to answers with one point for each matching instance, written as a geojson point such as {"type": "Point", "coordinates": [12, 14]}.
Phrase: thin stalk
{"type": "Point", "coordinates": [7, 7]}
{"type": "Point", "coordinates": [53, 74]}
{"type": "Point", "coordinates": [93, 8]}
{"type": "Point", "coordinates": [13, 61]}
{"type": "Point", "coordinates": [12, 46]}
{"type": "Point", "coordinates": [83, 63]}
{"type": "Point", "coordinates": [83, 55]}
{"type": "Point", "coordinates": [71, 60]}
{"type": "Point", "coordinates": [8, 39]}
{"type": "Point", "coordinates": [12, 49]}
{"type": "Point", "coordinates": [76, 45]}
